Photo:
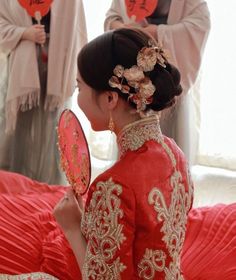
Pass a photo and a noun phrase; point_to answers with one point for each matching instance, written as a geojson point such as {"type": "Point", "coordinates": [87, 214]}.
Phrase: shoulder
{"type": "Point", "coordinates": [110, 183]}
{"type": "Point", "coordinates": [152, 160]}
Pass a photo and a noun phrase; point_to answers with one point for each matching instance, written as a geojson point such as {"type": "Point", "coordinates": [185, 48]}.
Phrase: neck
{"type": "Point", "coordinates": [120, 123]}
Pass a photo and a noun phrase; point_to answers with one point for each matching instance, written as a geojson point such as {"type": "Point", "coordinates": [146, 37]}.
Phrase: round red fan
{"type": "Point", "coordinates": [74, 152]}
{"type": "Point", "coordinates": [140, 9]}
{"type": "Point", "coordinates": [34, 6]}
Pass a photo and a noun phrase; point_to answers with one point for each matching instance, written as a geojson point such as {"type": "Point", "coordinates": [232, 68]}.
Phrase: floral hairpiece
{"type": "Point", "coordinates": [135, 77]}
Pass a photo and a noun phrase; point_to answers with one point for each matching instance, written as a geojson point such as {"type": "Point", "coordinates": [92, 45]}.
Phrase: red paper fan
{"type": "Point", "coordinates": [33, 6]}
{"type": "Point", "coordinates": [140, 9]}
{"type": "Point", "coordinates": [74, 152]}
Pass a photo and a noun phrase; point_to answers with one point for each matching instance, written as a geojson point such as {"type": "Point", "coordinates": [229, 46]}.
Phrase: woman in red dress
{"type": "Point", "coordinates": [133, 225]}
{"type": "Point", "coordinates": [134, 221]}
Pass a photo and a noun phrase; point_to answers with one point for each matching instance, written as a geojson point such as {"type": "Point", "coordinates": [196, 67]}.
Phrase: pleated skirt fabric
{"type": "Point", "coordinates": [31, 240]}
{"type": "Point", "coordinates": [210, 246]}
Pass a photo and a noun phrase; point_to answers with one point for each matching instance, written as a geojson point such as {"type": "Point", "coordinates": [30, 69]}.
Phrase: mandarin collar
{"type": "Point", "coordinates": [135, 134]}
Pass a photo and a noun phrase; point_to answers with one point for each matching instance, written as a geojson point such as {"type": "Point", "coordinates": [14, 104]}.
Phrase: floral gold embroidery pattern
{"type": "Point", "coordinates": [100, 225]}
{"type": "Point", "coordinates": [174, 220]}
{"type": "Point", "coordinates": [152, 261]}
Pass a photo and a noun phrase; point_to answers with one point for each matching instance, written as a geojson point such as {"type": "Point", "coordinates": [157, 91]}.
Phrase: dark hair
{"type": "Point", "coordinates": [97, 60]}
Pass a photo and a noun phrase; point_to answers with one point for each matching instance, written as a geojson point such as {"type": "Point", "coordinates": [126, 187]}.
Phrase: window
{"type": "Point", "coordinates": [218, 89]}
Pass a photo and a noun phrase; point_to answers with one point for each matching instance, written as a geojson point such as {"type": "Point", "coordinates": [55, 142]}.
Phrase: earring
{"type": "Point", "coordinates": [111, 124]}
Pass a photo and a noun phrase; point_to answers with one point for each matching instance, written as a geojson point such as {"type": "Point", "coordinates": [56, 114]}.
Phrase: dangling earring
{"type": "Point", "coordinates": [111, 124]}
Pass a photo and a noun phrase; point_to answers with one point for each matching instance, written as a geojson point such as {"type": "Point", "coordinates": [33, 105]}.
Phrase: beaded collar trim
{"type": "Point", "coordinates": [134, 135]}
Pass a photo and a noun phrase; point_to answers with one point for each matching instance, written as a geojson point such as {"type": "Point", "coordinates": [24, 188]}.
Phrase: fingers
{"type": "Point", "coordinates": [77, 199]}
{"type": "Point", "coordinates": [40, 37]}
{"type": "Point", "coordinates": [67, 212]}
{"type": "Point", "coordinates": [69, 200]}
{"type": "Point", "coordinates": [70, 193]}
{"type": "Point", "coordinates": [80, 202]}
{"type": "Point", "coordinates": [65, 197]}
{"type": "Point", "coordinates": [64, 200]}
{"type": "Point", "coordinates": [41, 40]}
{"type": "Point", "coordinates": [39, 26]}
{"type": "Point", "coordinates": [70, 197]}
{"type": "Point", "coordinates": [60, 206]}
{"type": "Point", "coordinates": [40, 34]}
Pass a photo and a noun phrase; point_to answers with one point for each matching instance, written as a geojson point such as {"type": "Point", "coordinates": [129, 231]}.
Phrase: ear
{"type": "Point", "coordinates": [111, 99]}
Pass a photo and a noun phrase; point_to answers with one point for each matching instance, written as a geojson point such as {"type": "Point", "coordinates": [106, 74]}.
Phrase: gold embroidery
{"type": "Point", "coordinates": [174, 221]}
{"type": "Point", "coordinates": [29, 276]}
{"type": "Point", "coordinates": [85, 169]}
{"type": "Point", "coordinates": [74, 154]}
{"type": "Point", "coordinates": [152, 261]}
{"type": "Point", "coordinates": [134, 135]}
{"type": "Point", "coordinates": [100, 225]}
{"type": "Point", "coordinates": [68, 117]}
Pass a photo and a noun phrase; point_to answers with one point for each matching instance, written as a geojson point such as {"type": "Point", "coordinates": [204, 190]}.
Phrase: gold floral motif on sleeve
{"type": "Point", "coordinates": [100, 224]}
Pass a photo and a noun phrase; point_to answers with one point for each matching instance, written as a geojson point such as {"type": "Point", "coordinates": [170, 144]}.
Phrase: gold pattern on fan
{"type": "Point", "coordinates": [68, 118]}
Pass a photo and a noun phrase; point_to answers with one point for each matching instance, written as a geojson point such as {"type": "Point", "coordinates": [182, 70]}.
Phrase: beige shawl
{"type": "Point", "coordinates": [67, 35]}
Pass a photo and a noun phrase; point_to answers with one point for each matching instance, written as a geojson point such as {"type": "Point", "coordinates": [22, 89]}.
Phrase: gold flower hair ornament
{"type": "Point", "coordinates": [135, 77]}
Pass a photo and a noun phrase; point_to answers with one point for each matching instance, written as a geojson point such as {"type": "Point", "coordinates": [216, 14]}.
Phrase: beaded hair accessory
{"type": "Point", "coordinates": [139, 86]}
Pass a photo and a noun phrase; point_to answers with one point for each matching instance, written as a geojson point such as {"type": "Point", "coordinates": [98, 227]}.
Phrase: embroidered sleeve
{"type": "Point", "coordinates": [108, 225]}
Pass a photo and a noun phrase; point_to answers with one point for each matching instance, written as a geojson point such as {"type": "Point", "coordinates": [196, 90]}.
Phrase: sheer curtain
{"type": "Point", "coordinates": [217, 146]}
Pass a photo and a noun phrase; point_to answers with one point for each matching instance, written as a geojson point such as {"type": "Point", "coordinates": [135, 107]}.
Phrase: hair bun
{"type": "Point", "coordinates": [167, 83]}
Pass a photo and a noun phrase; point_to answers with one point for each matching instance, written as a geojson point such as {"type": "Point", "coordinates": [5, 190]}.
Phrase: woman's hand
{"type": "Point", "coordinates": [117, 24]}
{"type": "Point", "coordinates": [152, 30]}
{"type": "Point", "coordinates": [35, 33]}
{"type": "Point", "coordinates": [68, 212]}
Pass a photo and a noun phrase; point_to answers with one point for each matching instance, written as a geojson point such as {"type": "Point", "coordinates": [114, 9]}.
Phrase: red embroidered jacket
{"type": "Point", "coordinates": [136, 212]}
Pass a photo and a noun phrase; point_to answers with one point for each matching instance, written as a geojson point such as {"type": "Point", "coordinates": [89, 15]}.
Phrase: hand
{"type": "Point", "coordinates": [35, 33]}
{"type": "Point", "coordinates": [117, 24]}
{"type": "Point", "coordinates": [68, 212]}
{"type": "Point", "coordinates": [152, 30]}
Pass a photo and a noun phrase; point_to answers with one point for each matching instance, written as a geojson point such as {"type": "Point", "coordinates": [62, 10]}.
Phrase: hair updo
{"type": "Point", "coordinates": [97, 60]}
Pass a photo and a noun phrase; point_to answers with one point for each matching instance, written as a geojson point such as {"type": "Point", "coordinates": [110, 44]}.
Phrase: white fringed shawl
{"type": "Point", "coordinates": [67, 35]}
